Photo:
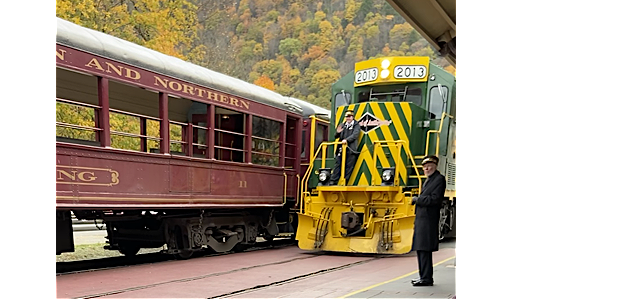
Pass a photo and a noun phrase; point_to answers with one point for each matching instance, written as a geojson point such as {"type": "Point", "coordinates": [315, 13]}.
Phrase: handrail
{"type": "Point", "coordinates": [79, 127]}
{"type": "Point", "coordinates": [229, 132]}
{"type": "Point", "coordinates": [323, 147]}
{"type": "Point", "coordinates": [297, 200]}
{"type": "Point", "coordinates": [134, 114]}
{"type": "Point", "coordinates": [266, 139]}
{"type": "Point", "coordinates": [284, 196]}
{"type": "Point", "coordinates": [405, 146]}
{"type": "Point", "coordinates": [426, 149]}
{"type": "Point", "coordinates": [67, 101]}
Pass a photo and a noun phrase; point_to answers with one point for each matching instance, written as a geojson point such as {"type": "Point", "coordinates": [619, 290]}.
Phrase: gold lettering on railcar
{"type": "Point", "coordinates": [123, 71]}
{"type": "Point", "coordinates": [129, 73]}
{"type": "Point", "coordinates": [60, 54]}
{"type": "Point", "coordinates": [86, 176]}
{"type": "Point", "coordinates": [243, 184]}
{"type": "Point", "coordinates": [194, 90]}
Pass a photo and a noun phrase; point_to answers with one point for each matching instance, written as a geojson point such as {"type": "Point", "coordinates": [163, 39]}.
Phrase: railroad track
{"type": "Point", "coordinates": [336, 264]}
{"type": "Point", "coordinates": [80, 266]}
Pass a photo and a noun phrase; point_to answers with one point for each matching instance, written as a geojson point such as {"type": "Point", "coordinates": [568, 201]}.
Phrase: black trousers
{"type": "Point", "coordinates": [425, 265]}
{"type": "Point", "coordinates": [350, 162]}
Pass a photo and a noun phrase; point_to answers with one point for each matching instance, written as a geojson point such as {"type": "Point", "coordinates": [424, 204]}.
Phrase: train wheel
{"type": "Point", "coordinates": [184, 254]}
{"type": "Point", "coordinates": [239, 247]}
{"type": "Point", "coordinates": [443, 224]}
{"type": "Point", "coordinates": [129, 250]}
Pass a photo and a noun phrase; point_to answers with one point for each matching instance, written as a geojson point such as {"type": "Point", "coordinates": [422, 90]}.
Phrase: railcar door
{"type": "Point", "coordinates": [199, 136]}
{"type": "Point", "coordinates": [230, 127]}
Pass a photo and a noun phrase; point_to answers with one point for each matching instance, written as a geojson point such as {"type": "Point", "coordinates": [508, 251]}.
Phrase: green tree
{"type": "Point", "coordinates": [290, 48]}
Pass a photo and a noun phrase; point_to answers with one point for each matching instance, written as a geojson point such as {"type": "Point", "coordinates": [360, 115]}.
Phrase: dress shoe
{"type": "Point", "coordinates": [415, 280]}
{"type": "Point", "coordinates": [422, 283]}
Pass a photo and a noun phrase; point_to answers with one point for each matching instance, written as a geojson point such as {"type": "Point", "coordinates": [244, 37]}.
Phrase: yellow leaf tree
{"type": "Point", "coordinates": [450, 69]}
{"type": "Point", "coordinates": [265, 82]}
{"type": "Point", "coordinates": [168, 26]}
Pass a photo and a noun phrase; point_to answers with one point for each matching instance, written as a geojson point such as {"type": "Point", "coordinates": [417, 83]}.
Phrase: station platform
{"type": "Point", "coordinates": [286, 272]}
{"type": "Point", "coordinates": [444, 285]}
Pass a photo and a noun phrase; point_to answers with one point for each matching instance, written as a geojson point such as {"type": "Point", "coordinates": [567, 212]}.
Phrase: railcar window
{"type": "Point", "coordinates": [343, 98]}
{"type": "Point", "coordinates": [153, 132]}
{"type": "Point", "coordinates": [320, 130]}
{"type": "Point", "coordinates": [124, 131]}
{"type": "Point", "coordinates": [303, 153]}
{"type": "Point", "coordinates": [265, 142]}
{"type": "Point", "coordinates": [230, 135]}
{"type": "Point", "coordinates": [436, 102]}
{"type": "Point", "coordinates": [75, 122]}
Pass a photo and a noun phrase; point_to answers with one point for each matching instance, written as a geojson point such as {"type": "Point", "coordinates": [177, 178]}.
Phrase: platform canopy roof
{"type": "Point", "coordinates": [435, 20]}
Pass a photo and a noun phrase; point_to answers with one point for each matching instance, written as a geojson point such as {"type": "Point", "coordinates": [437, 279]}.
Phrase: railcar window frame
{"type": "Point", "coordinates": [218, 145]}
{"type": "Point", "coordinates": [265, 132]}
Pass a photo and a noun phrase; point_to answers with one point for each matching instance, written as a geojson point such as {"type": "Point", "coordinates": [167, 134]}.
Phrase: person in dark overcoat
{"type": "Point", "coordinates": [425, 231]}
{"type": "Point", "coordinates": [348, 133]}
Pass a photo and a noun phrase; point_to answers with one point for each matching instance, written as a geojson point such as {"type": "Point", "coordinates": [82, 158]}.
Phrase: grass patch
{"type": "Point", "coordinates": [95, 251]}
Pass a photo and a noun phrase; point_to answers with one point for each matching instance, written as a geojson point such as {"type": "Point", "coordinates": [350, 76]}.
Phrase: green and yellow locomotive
{"type": "Point", "coordinates": [406, 110]}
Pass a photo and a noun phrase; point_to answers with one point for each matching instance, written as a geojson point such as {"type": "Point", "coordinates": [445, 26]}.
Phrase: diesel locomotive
{"type": "Point", "coordinates": [406, 108]}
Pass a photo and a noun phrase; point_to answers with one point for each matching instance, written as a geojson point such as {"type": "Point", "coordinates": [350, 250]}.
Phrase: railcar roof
{"type": "Point", "coordinates": [312, 109]}
{"type": "Point", "coordinates": [95, 42]}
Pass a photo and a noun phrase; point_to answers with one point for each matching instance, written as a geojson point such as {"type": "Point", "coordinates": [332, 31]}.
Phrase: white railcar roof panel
{"type": "Point", "coordinates": [95, 42]}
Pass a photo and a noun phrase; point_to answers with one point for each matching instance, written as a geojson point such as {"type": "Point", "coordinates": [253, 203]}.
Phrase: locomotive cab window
{"type": "Point", "coordinates": [413, 95]}
{"type": "Point", "coordinates": [343, 98]}
{"type": "Point", "coordinates": [437, 101]}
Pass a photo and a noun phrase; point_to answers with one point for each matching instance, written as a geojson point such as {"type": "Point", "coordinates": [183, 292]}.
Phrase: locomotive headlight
{"type": "Point", "coordinates": [387, 176]}
{"type": "Point", "coordinates": [384, 74]}
{"type": "Point", "coordinates": [323, 176]}
{"type": "Point", "coordinates": [385, 64]}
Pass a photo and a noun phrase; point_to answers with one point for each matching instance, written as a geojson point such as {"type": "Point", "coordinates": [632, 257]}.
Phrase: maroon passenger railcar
{"type": "Point", "coordinates": [166, 152]}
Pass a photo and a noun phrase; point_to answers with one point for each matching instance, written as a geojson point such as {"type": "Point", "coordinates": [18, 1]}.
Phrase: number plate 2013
{"type": "Point", "coordinates": [413, 72]}
{"type": "Point", "coordinates": [366, 75]}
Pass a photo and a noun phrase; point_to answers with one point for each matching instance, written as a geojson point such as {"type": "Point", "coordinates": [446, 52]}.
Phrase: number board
{"type": "Point", "coordinates": [391, 70]}
{"type": "Point", "coordinates": [366, 75]}
{"type": "Point", "coordinates": [410, 72]}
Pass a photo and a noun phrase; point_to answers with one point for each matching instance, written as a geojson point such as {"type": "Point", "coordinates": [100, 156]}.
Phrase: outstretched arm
{"type": "Point", "coordinates": [338, 131]}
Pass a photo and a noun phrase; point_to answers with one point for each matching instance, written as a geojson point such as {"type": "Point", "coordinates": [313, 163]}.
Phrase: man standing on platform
{"type": "Point", "coordinates": [425, 231]}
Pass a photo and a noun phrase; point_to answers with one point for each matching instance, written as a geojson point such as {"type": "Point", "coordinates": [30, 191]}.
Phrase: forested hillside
{"type": "Point", "coordinates": [295, 47]}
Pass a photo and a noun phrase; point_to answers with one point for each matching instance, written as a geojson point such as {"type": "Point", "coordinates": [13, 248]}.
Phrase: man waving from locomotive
{"type": "Point", "coordinates": [348, 133]}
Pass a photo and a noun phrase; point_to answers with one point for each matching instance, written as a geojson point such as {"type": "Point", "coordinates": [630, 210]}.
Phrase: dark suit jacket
{"type": "Point", "coordinates": [351, 135]}
{"type": "Point", "coordinates": [425, 231]}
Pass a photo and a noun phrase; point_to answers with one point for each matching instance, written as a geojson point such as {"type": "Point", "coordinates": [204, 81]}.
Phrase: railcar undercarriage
{"type": "Point", "coordinates": [182, 231]}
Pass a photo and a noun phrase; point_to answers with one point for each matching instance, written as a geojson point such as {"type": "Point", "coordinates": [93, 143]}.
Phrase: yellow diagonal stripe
{"type": "Point", "coordinates": [402, 170]}
{"type": "Point", "coordinates": [397, 124]}
{"type": "Point", "coordinates": [406, 111]}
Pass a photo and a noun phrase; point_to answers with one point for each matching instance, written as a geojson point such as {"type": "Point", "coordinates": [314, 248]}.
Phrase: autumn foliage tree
{"type": "Point", "coordinates": [265, 82]}
{"type": "Point", "coordinates": [295, 47]}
